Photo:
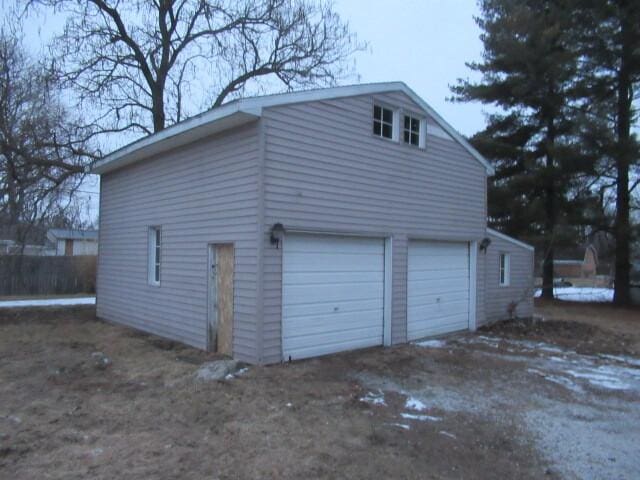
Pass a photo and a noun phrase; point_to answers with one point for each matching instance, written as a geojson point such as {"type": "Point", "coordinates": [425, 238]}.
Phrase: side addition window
{"type": "Point", "coordinates": [412, 130]}
{"type": "Point", "coordinates": [382, 122]}
{"type": "Point", "coordinates": [505, 268]}
{"type": "Point", "coordinates": [155, 244]}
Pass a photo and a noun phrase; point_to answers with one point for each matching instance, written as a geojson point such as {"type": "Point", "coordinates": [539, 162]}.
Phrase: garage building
{"type": "Point", "coordinates": [302, 224]}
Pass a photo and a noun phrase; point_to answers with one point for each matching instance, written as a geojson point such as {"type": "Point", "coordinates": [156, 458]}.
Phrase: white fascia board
{"type": "Point", "coordinates": [195, 128]}
{"type": "Point", "coordinates": [507, 238]}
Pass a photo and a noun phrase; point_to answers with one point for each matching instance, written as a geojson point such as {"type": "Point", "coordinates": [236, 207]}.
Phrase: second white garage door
{"type": "Point", "coordinates": [332, 295]}
{"type": "Point", "coordinates": [437, 288]}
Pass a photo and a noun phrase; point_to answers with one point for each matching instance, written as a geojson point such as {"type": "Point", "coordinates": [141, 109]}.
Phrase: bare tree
{"type": "Point", "coordinates": [143, 62]}
{"type": "Point", "coordinates": [43, 149]}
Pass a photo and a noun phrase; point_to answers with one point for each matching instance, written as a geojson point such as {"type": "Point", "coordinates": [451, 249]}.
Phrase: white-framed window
{"type": "Point", "coordinates": [505, 269]}
{"type": "Point", "coordinates": [383, 125]}
{"type": "Point", "coordinates": [411, 130]}
{"type": "Point", "coordinates": [414, 130]}
{"type": "Point", "coordinates": [155, 245]}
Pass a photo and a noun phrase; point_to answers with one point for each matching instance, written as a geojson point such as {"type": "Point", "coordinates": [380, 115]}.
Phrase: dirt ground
{"type": "Point", "coordinates": [548, 399]}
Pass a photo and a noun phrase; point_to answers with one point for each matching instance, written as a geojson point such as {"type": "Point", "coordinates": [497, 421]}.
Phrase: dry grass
{"type": "Point", "coordinates": [64, 416]}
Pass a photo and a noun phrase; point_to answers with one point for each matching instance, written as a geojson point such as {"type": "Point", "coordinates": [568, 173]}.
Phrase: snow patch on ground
{"type": "Point", "coordinates": [421, 418]}
{"type": "Point", "coordinates": [434, 343]}
{"type": "Point", "coordinates": [48, 302]}
{"type": "Point", "coordinates": [622, 359]}
{"type": "Point", "coordinates": [239, 373]}
{"type": "Point", "coordinates": [401, 425]}
{"type": "Point", "coordinates": [581, 294]}
{"type": "Point", "coordinates": [415, 404]}
{"type": "Point", "coordinates": [610, 377]}
{"type": "Point", "coordinates": [374, 398]}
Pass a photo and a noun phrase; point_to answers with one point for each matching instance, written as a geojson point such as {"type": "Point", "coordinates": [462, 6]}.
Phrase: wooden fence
{"type": "Point", "coordinates": [35, 275]}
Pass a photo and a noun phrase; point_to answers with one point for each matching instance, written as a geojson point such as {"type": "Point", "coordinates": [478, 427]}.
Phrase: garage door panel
{"type": "Point", "coordinates": [446, 302]}
{"type": "Point", "coordinates": [328, 308]}
{"type": "Point", "coordinates": [441, 329]}
{"type": "Point", "coordinates": [303, 294]}
{"type": "Point", "coordinates": [333, 278]}
{"type": "Point", "coordinates": [328, 244]}
{"type": "Point", "coordinates": [324, 342]}
{"type": "Point", "coordinates": [437, 311]}
{"type": "Point", "coordinates": [325, 262]}
{"type": "Point", "coordinates": [333, 294]}
{"type": "Point", "coordinates": [444, 273]}
{"type": "Point", "coordinates": [305, 351]}
{"type": "Point", "coordinates": [437, 288]}
{"type": "Point", "coordinates": [315, 324]}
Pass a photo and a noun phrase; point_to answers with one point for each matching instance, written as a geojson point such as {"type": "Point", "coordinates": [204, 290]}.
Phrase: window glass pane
{"type": "Point", "coordinates": [377, 128]}
{"type": "Point", "coordinates": [387, 131]}
{"type": "Point", "coordinates": [415, 124]}
{"type": "Point", "coordinates": [415, 140]}
{"type": "Point", "coordinates": [157, 237]}
{"type": "Point", "coordinates": [377, 112]}
{"type": "Point", "coordinates": [387, 115]}
{"type": "Point", "coordinates": [157, 273]}
{"type": "Point", "coordinates": [406, 136]}
{"type": "Point", "coordinates": [407, 122]}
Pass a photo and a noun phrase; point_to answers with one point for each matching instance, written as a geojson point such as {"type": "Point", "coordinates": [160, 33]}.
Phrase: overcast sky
{"type": "Point", "coordinates": [424, 43]}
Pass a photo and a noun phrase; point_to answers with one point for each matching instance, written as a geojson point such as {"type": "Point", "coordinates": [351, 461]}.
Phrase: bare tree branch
{"type": "Point", "coordinates": [132, 61]}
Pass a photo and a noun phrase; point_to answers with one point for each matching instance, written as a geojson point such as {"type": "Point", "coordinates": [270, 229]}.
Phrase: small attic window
{"type": "Point", "coordinates": [382, 122]}
{"type": "Point", "coordinates": [412, 130]}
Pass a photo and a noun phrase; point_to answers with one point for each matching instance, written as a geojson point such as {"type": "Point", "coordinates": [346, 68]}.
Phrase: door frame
{"type": "Point", "coordinates": [387, 240]}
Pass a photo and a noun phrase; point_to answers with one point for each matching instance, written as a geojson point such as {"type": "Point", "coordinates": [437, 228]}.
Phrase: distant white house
{"type": "Point", "coordinates": [73, 242]}
{"type": "Point", "coordinates": [10, 247]}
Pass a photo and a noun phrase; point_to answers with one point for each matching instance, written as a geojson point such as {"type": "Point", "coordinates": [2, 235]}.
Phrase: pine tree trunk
{"type": "Point", "coordinates": [550, 214]}
{"type": "Point", "coordinates": [621, 295]}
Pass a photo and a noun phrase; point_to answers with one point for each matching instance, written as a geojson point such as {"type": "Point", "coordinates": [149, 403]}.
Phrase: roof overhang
{"type": "Point", "coordinates": [247, 110]}
{"type": "Point", "coordinates": [189, 131]}
{"type": "Point", "coordinates": [507, 238]}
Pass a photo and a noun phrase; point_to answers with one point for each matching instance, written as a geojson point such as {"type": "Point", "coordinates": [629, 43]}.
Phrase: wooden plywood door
{"type": "Point", "coordinates": [224, 272]}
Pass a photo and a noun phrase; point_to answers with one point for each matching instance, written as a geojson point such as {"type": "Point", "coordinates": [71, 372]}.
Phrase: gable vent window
{"type": "Point", "coordinates": [412, 130]}
{"type": "Point", "coordinates": [382, 122]}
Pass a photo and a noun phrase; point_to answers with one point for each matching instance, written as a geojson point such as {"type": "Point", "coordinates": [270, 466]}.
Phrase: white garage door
{"type": "Point", "coordinates": [437, 288]}
{"type": "Point", "coordinates": [333, 294]}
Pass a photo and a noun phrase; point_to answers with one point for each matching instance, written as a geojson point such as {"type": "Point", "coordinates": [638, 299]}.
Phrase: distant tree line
{"type": "Point", "coordinates": [563, 78]}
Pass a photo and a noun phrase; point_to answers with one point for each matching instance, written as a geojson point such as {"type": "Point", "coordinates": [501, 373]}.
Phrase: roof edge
{"type": "Point", "coordinates": [192, 129]}
{"type": "Point", "coordinates": [501, 235]}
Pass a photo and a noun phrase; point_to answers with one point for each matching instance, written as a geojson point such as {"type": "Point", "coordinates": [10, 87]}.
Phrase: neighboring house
{"type": "Point", "coordinates": [10, 247]}
{"type": "Point", "coordinates": [295, 225]}
{"type": "Point", "coordinates": [577, 268]}
{"type": "Point", "coordinates": [73, 242]}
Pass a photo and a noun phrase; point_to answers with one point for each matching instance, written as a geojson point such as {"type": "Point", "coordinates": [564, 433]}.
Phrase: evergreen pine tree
{"type": "Point", "coordinates": [528, 72]}
{"type": "Point", "coordinates": [609, 44]}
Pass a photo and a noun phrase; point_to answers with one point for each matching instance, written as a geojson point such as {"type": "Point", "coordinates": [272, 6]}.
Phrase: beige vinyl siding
{"type": "Point", "coordinates": [201, 193]}
{"type": "Point", "coordinates": [520, 288]}
{"type": "Point", "coordinates": [325, 171]}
